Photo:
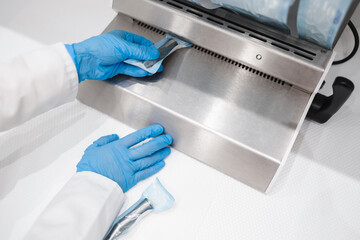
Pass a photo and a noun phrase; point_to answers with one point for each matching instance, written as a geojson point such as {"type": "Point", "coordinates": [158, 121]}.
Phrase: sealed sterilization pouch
{"type": "Point", "coordinates": [320, 21]}
{"type": "Point", "coordinates": [154, 198]}
{"type": "Point", "coordinates": [205, 3]}
{"type": "Point", "coordinates": [273, 12]}
{"type": "Point", "coordinates": [166, 46]}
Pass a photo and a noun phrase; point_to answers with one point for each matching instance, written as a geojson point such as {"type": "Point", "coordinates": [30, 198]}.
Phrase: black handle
{"type": "Point", "coordinates": [323, 107]}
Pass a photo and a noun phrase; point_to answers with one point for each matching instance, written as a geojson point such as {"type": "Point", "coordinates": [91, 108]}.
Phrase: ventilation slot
{"type": "Point", "coordinates": [151, 28]}
{"type": "Point", "coordinates": [175, 5]}
{"type": "Point", "coordinates": [233, 25]}
{"type": "Point", "coordinates": [215, 21]}
{"type": "Point", "coordinates": [304, 56]}
{"type": "Point", "coordinates": [280, 46]}
{"type": "Point", "coordinates": [195, 13]}
{"type": "Point", "coordinates": [236, 29]}
{"type": "Point", "coordinates": [257, 37]}
{"type": "Point", "coordinates": [240, 65]}
{"type": "Point", "coordinates": [222, 58]}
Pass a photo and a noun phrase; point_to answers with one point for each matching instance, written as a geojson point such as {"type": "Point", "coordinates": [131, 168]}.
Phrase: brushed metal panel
{"type": "Point", "coordinates": [190, 137]}
{"type": "Point", "coordinates": [286, 65]}
{"type": "Point", "coordinates": [228, 117]}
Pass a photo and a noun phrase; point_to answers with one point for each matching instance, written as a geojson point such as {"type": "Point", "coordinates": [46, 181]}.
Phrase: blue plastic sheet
{"type": "Point", "coordinates": [320, 21]}
{"type": "Point", "coordinates": [273, 12]}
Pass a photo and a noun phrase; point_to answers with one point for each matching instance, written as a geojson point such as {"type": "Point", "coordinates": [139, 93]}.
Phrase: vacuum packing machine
{"type": "Point", "coordinates": [235, 100]}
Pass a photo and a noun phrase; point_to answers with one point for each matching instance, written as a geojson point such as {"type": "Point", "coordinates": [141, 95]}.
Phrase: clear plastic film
{"type": "Point", "coordinates": [154, 198]}
{"type": "Point", "coordinates": [273, 12]}
{"type": "Point", "coordinates": [166, 46]}
{"type": "Point", "coordinates": [159, 198]}
{"type": "Point", "coordinates": [320, 21]}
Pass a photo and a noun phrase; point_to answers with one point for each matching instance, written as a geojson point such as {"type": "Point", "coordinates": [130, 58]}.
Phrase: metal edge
{"type": "Point", "coordinates": [303, 74]}
{"type": "Point", "coordinates": [257, 169]}
{"type": "Point", "coordinates": [284, 160]}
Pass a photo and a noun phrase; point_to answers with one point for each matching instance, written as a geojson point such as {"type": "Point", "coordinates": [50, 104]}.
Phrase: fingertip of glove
{"type": "Point", "coordinates": [161, 164]}
{"type": "Point", "coordinates": [168, 138]}
{"type": "Point", "coordinates": [167, 152]}
{"type": "Point", "coordinates": [154, 53]}
{"type": "Point", "coordinates": [157, 128]}
{"type": "Point", "coordinates": [115, 136]}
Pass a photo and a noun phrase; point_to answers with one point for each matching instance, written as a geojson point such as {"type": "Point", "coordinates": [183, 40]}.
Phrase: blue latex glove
{"type": "Point", "coordinates": [118, 160]}
{"type": "Point", "coordinates": [101, 57]}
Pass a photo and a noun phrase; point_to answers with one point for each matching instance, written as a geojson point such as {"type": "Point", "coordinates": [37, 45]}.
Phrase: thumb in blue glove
{"type": "Point", "coordinates": [102, 57]}
{"type": "Point", "coordinates": [118, 159]}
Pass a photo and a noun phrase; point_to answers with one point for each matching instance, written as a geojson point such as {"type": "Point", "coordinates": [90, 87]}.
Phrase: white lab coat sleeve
{"type": "Point", "coordinates": [84, 209]}
{"type": "Point", "coordinates": [35, 83]}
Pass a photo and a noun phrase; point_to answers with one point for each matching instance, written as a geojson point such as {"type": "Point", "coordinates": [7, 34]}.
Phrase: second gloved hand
{"type": "Point", "coordinates": [115, 158]}
{"type": "Point", "coordinates": [101, 57]}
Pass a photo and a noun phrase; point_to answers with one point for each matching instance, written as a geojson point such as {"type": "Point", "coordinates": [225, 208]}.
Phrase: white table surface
{"type": "Point", "coordinates": [316, 196]}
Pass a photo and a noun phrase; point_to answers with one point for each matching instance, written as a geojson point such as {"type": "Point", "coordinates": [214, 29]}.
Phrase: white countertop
{"type": "Point", "coordinates": [316, 196]}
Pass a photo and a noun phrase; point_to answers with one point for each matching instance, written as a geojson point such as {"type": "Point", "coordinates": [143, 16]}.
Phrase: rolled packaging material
{"type": "Point", "coordinates": [320, 21]}
{"type": "Point", "coordinates": [272, 12]}
{"type": "Point", "coordinates": [154, 198]}
{"type": "Point", "coordinates": [205, 3]}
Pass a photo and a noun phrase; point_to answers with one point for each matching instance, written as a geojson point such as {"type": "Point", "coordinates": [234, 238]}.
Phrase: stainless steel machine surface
{"type": "Point", "coordinates": [292, 60]}
{"type": "Point", "coordinates": [235, 101]}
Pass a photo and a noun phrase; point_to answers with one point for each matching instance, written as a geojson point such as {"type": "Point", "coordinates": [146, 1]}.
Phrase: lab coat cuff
{"type": "Point", "coordinates": [84, 209]}
{"type": "Point", "coordinates": [104, 182]}
{"type": "Point", "coordinates": [70, 70]}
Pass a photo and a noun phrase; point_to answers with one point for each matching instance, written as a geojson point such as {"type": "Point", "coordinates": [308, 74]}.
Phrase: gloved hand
{"type": "Point", "coordinates": [115, 158]}
{"type": "Point", "coordinates": [101, 57]}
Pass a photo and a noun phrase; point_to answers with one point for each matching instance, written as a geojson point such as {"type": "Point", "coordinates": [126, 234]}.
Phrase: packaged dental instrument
{"type": "Point", "coordinates": [154, 198]}
{"type": "Point", "coordinates": [273, 12]}
{"type": "Point", "coordinates": [166, 46]}
{"type": "Point", "coordinates": [320, 21]}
